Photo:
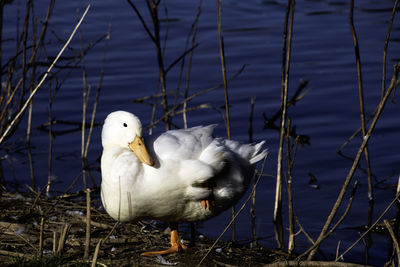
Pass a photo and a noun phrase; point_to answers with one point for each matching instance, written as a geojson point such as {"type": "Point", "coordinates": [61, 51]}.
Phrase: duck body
{"type": "Point", "coordinates": [184, 167]}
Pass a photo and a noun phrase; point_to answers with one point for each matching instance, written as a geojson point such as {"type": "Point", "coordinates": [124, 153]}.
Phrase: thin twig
{"type": "Point", "coordinates": [314, 264]}
{"type": "Point", "coordinates": [337, 249]}
{"type": "Point", "coordinates": [29, 99]}
{"type": "Point", "coordinates": [24, 46]}
{"type": "Point", "coordinates": [174, 108]}
{"type": "Point", "coordinates": [96, 253]}
{"type": "Point", "coordinates": [251, 115]}
{"type": "Point", "coordinates": [346, 211]}
{"type": "Point", "coordinates": [30, 111]}
{"type": "Point", "coordinates": [362, 116]}
{"type": "Point", "coordinates": [85, 96]}
{"type": "Point", "coordinates": [32, 59]}
{"type": "Point", "coordinates": [356, 161]}
{"type": "Point", "coordinates": [361, 98]}
{"type": "Point", "coordinates": [181, 57]}
{"type": "Point", "coordinates": [88, 220]}
{"type": "Point", "coordinates": [253, 214]}
{"type": "Point", "coordinates": [303, 230]}
{"type": "Point", "coordinates": [253, 198]}
{"type": "Point", "coordinates": [397, 216]}
{"type": "Point", "coordinates": [23, 239]}
{"type": "Point", "coordinates": [315, 245]}
{"type": "Point", "coordinates": [383, 75]}
{"type": "Point", "coordinates": [288, 31]}
{"type": "Point", "coordinates": [141, 20]}
{"type": "Point", "coordinates": [394, 238]}
{"type": "Point", "coordinates": [2, 3]}
{"type": "Point", "coordinates": [99, 85]}
{"type": "Point", "coordinates": [109, 233]}
{"type": "Point", "coordinates": [370, 228]}
{"type": "Point", "coordinates": [16, 254]}
{"type": "Point", "coordinates": [33, 79]}
{"type": "Point", "coordinates": [41, 236]}
{"type": "Point", "coordinates": [63, 239]}
{"type": "Point", "coordinates": [238, 212]}
{"type": "Point", "coordinates": [55, 243]}
{"type": "Point", "coordinates": [223, 66]}
{"type": "Point", "coordinates": [153, 9]}
{"type": "Point", "coordinates": [389, 30]}
{"type": "Point", "coordinates": [290, 160]}
{"type": "Point", "coordinates": [189, 67]}
{"type": "Point", "coordinates": [50, 156]}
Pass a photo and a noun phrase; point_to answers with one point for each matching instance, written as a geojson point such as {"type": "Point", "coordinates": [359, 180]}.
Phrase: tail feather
{"type": "Point", "coordinates": [250, 152]}
{"type": "Point", "coordinates": [257, 155]}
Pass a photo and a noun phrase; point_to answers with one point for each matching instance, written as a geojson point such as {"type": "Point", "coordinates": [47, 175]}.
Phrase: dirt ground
{"type": "Point", "coordinates": [62, 238]}
{"type": "Point", "coordinates": [40, 231]}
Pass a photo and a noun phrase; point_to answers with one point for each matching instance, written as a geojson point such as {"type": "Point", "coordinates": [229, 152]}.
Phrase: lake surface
{"type": "Point", "coordinates": [322, 53]}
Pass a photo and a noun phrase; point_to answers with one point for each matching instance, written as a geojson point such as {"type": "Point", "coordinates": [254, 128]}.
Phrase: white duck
{"type": "Point", "coordinates": [184, 176]}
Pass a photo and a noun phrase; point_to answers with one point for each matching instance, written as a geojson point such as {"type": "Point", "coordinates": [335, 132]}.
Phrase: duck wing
{"type": "Point", "coordinates": [191, 156]}
{"type": "Point", "coordinates": [183, 143]}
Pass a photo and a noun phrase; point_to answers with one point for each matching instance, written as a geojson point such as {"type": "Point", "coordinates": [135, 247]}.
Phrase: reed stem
{"type": "Point", "coordinates": [361, 97]}
{"type": "Point", "coordinates": [223, 66]}
{"type": "Point", "coordinates": [258, 178]}
{"type": "Point", "coordinates": [356, 161]}
{"type": "Point", "coordinates": [85, 97]}
{"type": "Point", "coordinates": [385, 47]}
{"type": "Point", "coordinates": [88, 220]}
{"type": "Point", "coordinates": [189, 67]}
{"type": "Point", "coordinates": [50, 156]}
{"type": "Point", "coordinates": [39, 85]}
{"type": "Point", "coordinates": [394, 238]}
{"type": "Point", "coordinates": [288, 31]}
{"type": "Point", "coordinates": [290, 159]}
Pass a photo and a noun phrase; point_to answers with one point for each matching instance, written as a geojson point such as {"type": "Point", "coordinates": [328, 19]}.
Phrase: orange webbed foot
{"type": "Point", "coordinates": [176, 244]}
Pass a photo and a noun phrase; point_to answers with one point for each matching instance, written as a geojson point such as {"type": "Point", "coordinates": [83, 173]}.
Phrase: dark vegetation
{"type": "Point", "coordinates": [69, 229]}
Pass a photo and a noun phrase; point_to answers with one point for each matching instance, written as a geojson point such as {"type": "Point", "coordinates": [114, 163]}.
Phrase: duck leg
{"type": "Point", "coordinates": [206, 204]}
{"type": "Point", "coordinates": [175, 243]}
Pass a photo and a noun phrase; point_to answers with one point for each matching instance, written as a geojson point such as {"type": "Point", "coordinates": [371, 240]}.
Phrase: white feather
{"type": "Point", "coordinates": [190, 166]}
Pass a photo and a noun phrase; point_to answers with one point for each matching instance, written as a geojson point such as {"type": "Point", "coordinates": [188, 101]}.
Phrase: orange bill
{"type": "Point", "coordinates": [139, 148]}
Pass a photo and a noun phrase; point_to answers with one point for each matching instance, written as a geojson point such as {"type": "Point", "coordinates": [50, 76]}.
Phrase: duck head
{"type": "Point", "coordinates": [124, 129]}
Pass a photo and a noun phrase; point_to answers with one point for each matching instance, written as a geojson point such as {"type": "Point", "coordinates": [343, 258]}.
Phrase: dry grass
{"type": "Point", "coordinates": [64, 237]}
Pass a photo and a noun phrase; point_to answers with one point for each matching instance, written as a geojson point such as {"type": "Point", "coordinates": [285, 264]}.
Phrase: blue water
{"type": "Point", "coordinates": [322, 53]}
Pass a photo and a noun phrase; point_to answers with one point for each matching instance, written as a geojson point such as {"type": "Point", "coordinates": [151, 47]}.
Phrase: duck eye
{"type": "Point", "coordinates": [125, 125]}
